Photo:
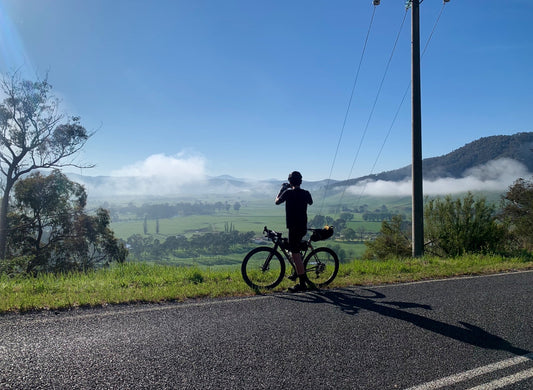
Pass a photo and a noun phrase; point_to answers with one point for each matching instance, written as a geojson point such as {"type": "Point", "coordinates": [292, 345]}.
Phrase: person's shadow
{"type": "Point", "coordinates": [352, 302]}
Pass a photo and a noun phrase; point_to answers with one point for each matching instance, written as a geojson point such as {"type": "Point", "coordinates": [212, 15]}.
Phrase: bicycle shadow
{"type": "Point", "coordinates": [351, 302]}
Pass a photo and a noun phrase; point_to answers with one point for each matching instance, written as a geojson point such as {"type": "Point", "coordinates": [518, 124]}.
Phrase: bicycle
{"type": "Point", "coordinates": [264, 267]}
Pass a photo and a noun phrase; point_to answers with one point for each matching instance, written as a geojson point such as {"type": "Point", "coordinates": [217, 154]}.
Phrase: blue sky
{"type": "Point", "coordinates": [256, 89]}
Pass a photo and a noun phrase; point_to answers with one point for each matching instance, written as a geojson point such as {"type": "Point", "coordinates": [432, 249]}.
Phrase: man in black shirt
{"type": "Point", "coordinates": [296, 200]}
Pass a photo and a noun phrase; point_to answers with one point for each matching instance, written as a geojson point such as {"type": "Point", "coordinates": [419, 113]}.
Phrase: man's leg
{"type": "Point", "coordinates": [300, 271]}
{"type": "Point", "coordinates": [295, 239]}
{"type": "Point", "coordinates": [297, 258]}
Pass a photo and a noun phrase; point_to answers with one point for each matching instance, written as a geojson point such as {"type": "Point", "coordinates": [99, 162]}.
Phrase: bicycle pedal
{"type": "Point", "coordinates": [292, 277]}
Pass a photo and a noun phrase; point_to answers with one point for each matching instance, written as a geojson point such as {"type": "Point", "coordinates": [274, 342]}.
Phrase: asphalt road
{"type": "Point", "coordinates": [450, 334]}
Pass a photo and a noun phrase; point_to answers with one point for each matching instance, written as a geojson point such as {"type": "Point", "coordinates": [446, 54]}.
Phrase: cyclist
{"type": "Point", "coordinates": [296, 200]}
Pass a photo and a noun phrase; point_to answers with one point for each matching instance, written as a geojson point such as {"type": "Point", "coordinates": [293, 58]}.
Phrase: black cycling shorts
{"type": "Point", "coordinates": [295, 239]}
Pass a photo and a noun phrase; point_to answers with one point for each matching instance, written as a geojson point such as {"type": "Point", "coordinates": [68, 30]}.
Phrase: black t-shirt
{"type": "Point", "coordinates": [296, 201]}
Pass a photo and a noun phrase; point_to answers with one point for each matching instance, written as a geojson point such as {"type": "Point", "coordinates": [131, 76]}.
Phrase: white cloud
{"type": "Point", "coordinates": [159, 174]}
{"type": "Point", "coordinates": [182, 168]}
{"type": "Point", "coordinates": [496, 175]}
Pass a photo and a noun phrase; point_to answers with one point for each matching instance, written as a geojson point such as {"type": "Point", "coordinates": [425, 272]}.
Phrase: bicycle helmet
{"type": "Point", "coordinates": [295, 178]}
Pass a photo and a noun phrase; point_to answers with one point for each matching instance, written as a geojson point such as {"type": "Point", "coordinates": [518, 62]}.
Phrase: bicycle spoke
{"type": "Point", "coordinates": [321, 266]}
{"type": "Point", "coordinates": [263, 268]}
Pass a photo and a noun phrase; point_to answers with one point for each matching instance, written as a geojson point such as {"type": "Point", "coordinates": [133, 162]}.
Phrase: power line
{"type": "Point", "coordinates": [401, 103]}
{"type": "Point", "coordinates": [349, 104]}
{"type": "Point", "coordinates": [374, 104]}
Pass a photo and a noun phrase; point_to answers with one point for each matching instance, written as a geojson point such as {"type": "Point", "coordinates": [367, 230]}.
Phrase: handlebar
{"type": "Point", "coordinates": [271, 234]}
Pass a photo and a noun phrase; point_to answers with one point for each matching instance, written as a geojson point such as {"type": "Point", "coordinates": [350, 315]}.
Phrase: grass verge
{"type": "Point", "coordinates": [141, 282]}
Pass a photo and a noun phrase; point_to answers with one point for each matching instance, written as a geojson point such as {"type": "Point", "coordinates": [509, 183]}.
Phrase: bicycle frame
{"type": "Point", "coordinates": [280, 243]}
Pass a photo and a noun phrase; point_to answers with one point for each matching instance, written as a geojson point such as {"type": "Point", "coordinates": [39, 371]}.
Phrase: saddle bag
{"type": "Point", "coordinates": [322, 234]}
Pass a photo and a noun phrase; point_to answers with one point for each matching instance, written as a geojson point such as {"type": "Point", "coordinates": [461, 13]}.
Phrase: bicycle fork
{"type": "Point", "coordinates": [266, 265]}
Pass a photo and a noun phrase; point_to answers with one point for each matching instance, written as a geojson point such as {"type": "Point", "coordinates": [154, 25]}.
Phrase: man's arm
{"type": "Point", "coordinates": [284, 187]}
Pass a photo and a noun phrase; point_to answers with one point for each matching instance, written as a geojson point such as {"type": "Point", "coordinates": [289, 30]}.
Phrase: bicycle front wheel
{"type": "Point", "coordinates": [263, 267]}
{"type": "Point", "coordinates": [321, 266]}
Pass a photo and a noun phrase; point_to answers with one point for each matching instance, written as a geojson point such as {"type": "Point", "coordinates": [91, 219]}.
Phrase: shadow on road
{"type": "Point", "coordinates": [351, 302]}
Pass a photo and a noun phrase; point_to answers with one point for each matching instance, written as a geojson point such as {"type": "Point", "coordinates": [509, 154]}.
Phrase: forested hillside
{"type": "Point", "coordinates": [518, 147]}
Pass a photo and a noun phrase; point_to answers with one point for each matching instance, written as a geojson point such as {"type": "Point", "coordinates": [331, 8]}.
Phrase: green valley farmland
{"type": "Point", "coordinates": [139, 222]}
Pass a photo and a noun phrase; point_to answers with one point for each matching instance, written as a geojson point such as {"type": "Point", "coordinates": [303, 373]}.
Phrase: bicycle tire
{"type": "Point", "coordinates": [263, 267]}
{"type": "Point", "coordinates": [321, 266]}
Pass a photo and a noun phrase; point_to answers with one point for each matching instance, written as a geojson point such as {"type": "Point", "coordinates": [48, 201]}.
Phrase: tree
{"type": "Point", "coordinates": [518, 211]}
{"type": "Point", "coordinates": [33, 135]}
{"type": "Point", "coordinates": [468, 225]}
{"type": "Point", "coordinates": [349, 234]}
{"type": "Point", "coordinates": [347, 216]}
{"type": "Point", "coordinates": [361, 230]}
{"type": "Point", "coordinates": [318, 221]}
{"type": "Point", "coordinates": [393, 240]}
{"type": "Point", "coordinates": [339, 224]}
{"type": "Point", "coordinates": [53, 228]}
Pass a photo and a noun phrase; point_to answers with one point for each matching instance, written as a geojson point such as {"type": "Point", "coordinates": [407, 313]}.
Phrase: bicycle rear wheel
{"type": "Point", "coordinates": [321, 266]}
{"type": "Point", "coordinates": [263, 267]}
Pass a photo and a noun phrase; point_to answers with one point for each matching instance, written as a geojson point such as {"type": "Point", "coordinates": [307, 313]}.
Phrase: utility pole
{"type": "Point", "coordinates": [418, 196]}
{"type": "Point", "coordinates": [416, 112]}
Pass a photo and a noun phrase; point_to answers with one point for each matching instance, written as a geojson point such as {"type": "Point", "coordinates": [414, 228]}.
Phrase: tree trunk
{"type": "Point", "coordinates": [4, 208]}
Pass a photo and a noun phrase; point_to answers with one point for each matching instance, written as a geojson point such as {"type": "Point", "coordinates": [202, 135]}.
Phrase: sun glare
{"type": "Point", "coordinates": [13, 54]}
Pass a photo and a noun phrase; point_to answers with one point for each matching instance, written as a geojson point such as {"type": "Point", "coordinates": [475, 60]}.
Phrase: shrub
{"type": "Point", "coordinates": [393, 241]}
{"type": "Point", "coordinates": [457, 226]}
{"type": "Point", "coordinates": [517, 210]}
{"type": "Point", "coordinates": [15, 265]}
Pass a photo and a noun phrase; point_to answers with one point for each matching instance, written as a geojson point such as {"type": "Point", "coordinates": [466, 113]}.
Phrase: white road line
{"type": "Point", "coordinates": [453, 379]}
{"type": "Point", "coordinates": [508, 380]}
{"type": "Point", "coordinates": [460, 277]}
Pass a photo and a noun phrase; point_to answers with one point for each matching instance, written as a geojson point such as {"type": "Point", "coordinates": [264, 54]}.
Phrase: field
{"type": "Point", "coordinates": [253, 215]}
{"type": "Point", "coordinates": [250, 218]}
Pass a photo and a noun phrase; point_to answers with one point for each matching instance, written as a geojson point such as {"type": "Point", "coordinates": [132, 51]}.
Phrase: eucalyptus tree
{"type": "Point", "coordinates": [34, 135]}
{"type": "Point", "coordinates": [54, 230]}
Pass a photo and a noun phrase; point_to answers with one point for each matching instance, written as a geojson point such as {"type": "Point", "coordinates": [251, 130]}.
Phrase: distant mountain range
{"type": "Point", "coordinates": [485, 158]}
{"type": "Point", "coordinates": [155, 187]}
